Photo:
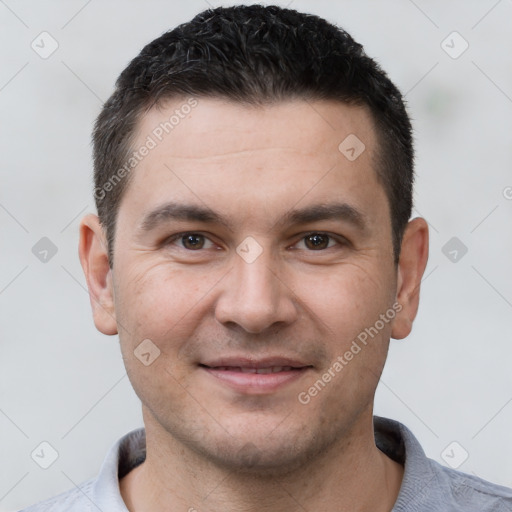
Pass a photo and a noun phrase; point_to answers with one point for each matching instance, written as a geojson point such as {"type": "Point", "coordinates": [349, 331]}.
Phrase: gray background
{"type": "Point", "coordinates": [64, 383]}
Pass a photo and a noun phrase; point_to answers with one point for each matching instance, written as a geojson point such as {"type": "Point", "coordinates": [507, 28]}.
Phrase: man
{"type": "Point", "coordinates": [253, 250]}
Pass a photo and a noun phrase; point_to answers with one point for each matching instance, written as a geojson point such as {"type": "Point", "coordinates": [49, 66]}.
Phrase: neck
{"type": "Point", "coordinates": [352, 476]}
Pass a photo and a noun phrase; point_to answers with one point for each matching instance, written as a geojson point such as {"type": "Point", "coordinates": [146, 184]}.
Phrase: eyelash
{"type": "Point", "coordinates": [179, 236]}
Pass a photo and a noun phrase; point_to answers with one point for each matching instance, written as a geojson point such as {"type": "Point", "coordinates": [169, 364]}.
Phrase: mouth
{"type": "Point", "coordinates": [255, 377]}
{"type": "Point", "coordinates": [260, 371]}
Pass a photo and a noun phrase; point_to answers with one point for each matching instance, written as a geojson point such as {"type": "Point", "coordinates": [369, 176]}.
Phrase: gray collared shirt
{"type": "Point", "coordinates": [426, 487]}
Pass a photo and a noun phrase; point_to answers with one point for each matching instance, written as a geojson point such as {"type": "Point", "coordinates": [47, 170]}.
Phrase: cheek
{"type": "Point", "coordinates": [160, 302]}
{"type": "Point", "coordinates": [347, 300]}
{"type": "Point", "coordinates": [161, 305]}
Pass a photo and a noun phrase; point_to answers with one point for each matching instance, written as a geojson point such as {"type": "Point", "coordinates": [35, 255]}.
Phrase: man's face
{"type": "Point", "coordinates": [275, 287]}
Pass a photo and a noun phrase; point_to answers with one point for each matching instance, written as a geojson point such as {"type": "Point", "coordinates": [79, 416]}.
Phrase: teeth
{"type": "Point", "coordinates": [271, 369]}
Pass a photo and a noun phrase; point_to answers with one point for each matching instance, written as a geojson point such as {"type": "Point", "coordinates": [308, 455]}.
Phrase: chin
{"type": "Point", "coordinates": [264, 455]}
{"type": "Point", "coordinates": [264, 462]}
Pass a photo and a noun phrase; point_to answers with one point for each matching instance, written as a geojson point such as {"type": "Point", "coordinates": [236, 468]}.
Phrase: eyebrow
{"type": "Point", "coordinates": [196, 213]}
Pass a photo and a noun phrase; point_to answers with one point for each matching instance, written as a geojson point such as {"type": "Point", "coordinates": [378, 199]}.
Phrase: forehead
{"type": "Point", "coordinates": [270, 157]}
{"type": "Point", "coordinates": [201, 127]}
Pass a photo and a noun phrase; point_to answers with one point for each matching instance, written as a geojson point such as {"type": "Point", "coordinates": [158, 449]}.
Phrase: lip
{"type": "Point", "coordinates": [240, 373]}
{"type": "Point", "coordinates": [247, 362]}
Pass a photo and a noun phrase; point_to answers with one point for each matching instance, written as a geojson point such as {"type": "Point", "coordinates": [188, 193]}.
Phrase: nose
{"type": "Point", "coordinates": [255, 296]}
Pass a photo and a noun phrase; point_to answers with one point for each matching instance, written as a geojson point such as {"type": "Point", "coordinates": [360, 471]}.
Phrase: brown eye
{"type": "Point", "coordinates": [317, 241]}
{"type": "Point", "coordinates": [188, 242]}
{"type": "Point", "coordinates": [193, 241]}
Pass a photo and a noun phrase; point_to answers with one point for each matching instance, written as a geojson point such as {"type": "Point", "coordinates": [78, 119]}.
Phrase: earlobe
{"type": "Point", "coordinates": [411, 266]}
{"type": "Point", "coordinates": [94, 259]}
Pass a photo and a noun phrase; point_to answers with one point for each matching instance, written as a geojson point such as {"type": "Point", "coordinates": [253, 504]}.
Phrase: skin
{"type": "Point", "coordinates": [211, 447]}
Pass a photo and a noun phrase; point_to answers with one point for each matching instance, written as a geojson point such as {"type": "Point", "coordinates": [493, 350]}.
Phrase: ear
{"type": "Point", "coordinates": [411, 266]}
{"type": "Point", "coordinates": [94, 258]}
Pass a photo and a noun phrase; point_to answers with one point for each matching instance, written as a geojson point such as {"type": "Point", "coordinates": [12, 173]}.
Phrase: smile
{"type": "Point", "coordinates": [271, 369]}
{"type": "Point", "coordinates": [255, 378]}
